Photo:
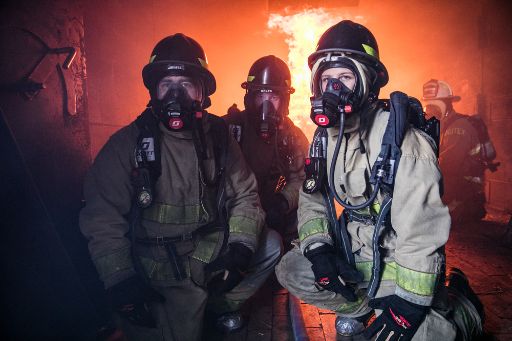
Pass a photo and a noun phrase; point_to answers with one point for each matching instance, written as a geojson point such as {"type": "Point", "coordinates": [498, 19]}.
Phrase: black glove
{"type": "Point", "coordinates": [399, 316]}
{"type": "Point", "coordinates": [130, 299]}
{"type": "Point", "coordinates": [235, 261]}
{"type": "Point", "coordinates": [333, 273]}
{"type": "Point", "coordinates": [276, 210]}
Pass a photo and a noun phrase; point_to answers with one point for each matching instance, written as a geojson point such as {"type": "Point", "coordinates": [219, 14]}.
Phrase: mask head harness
{"type": "Point", "coordinates": [269, 76]}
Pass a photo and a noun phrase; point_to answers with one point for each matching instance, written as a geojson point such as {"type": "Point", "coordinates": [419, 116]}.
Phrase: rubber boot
{"type": "Point", "coordinates": [351, 329]}
{"type": "Point", "coordinates": [468, 311]}
{"type": "Point", "coordinates": [230, 322]}
{"type": "Point", "coordinates": [457, 280]}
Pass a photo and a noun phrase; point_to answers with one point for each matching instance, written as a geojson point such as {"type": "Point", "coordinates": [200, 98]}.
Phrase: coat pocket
{"type": "Point", "coordinates": [354, 183]}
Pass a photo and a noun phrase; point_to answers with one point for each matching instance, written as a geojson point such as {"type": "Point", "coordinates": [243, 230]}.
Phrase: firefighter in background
{"type": "Point", "coordinates": [389, 257]}
{"type": "Point", "coordinates": [172, 212]}
{"type": "Point", "coordinates": [273, 146]}
{"type": "Point", "coordinates": [465, 152]}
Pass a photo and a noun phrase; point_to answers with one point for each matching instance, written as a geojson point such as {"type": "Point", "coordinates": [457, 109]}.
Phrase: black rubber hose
{"type": "Point", "coordinates": [332, 186]}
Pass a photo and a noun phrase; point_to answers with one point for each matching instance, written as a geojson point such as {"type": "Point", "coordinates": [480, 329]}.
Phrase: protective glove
{"type": "Point", "coordinates": [235, 261]}
{"type": "Point", "coordinates": [130, 299]}
{"type": "Point", "coordinates": [333, 273]}
{"type": "Point", "coordinates": [399, 317]}
{"type": "Point", "coordinates": [276, 210]}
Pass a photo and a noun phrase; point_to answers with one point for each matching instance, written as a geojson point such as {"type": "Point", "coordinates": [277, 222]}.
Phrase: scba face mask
{"type": "Point", "coordinates": [177, 109]}
{"type": "Point", "coordinates": [265, 117]}
{"type": "Point", "coordinates": [335, 100]}
{"type": "Point", "coordinates": [436, 108]}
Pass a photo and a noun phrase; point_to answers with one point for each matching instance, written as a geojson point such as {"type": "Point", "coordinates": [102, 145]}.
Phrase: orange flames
{"type": "Point", "coordinates": [303, 30]}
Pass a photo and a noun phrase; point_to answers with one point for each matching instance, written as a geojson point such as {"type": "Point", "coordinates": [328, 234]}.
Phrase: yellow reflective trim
{"type": "Point", "coordinates": [313, 226]}
{"type": "Point", "coordinates": [419, 283]}
{"type": "Point", "coordinates": [110, 264]}
{"type": "Point", "coordinates": [376, 207]}
{"type": "Point", "coordinates": [203, 63]}
{"type": "Point", "coordinates": [388, 270]}
{"type": "Point", "coordinates": [207, 246]}
{"type": "Point", "coordinates": [175, 214]}
{"type": "Point", "coordinates": [160, 271]}
{"type": "Point", "coordinates": [370, 50]}
{"type": "Point", "coordinates": [250, 78]}
{"type": "Point", "coordinates": [475, 150]}
{"type": "Point", "coordinates": [240, 224]}
{"type": "Point", "coordinates": [349, 307]}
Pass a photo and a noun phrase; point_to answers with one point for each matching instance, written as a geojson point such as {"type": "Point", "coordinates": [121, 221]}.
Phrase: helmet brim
{"type": "Point", "coordinates": [377, 65]}
{"type": "Point", "coordinates": [451, 98]}
{"type": "Point", "coordinates": [283, 89]}
{"type": "Point", "coordinates": [154, 72]}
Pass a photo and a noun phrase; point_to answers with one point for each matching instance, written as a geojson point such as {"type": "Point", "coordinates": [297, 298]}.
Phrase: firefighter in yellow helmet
{"type": "Point", "coordinates": [172, 211]}
{"type": "Point", "coordinates": [385, 254]}
{"type": "Point", "coordinates": [466, 151]}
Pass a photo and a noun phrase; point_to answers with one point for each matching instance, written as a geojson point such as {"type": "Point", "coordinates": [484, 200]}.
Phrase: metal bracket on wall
{"type": "Point", "coordinates": [32, 83]}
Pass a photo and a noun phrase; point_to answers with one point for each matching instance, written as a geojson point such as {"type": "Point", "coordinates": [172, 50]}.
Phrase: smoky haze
{"type": "Point", "coordinates": [418, 40]}
{"type": "Point", "coordinates": [460, 42]}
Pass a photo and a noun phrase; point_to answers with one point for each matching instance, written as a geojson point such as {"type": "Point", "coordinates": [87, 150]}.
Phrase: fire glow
{"type": "Point", "coordinates": [303, 30]}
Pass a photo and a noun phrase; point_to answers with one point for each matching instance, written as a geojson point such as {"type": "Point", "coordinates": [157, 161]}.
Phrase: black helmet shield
{"type": "Point", "coordinates": [178, 55]}
{"type": "Point", "coordinates": [269, 76]}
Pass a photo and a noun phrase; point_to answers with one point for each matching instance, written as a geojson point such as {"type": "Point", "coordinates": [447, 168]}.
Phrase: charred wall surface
{"type": "Point", "coordinates": [49, 286]}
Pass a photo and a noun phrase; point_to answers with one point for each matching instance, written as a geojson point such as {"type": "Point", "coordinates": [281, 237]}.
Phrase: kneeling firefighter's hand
{"type": "Point", "coordinates": [333, 273]}
{"type": "Point", "coordinates": [235, 261]}
{"type": "Point", "coordinates": [275, 210]}
{"type": "Point", "coordinates": [400, 319]}
{"type": "Point", "coordinates": [130, 299]}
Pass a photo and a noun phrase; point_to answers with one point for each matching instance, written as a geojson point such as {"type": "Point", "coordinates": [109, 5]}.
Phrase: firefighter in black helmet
{"type": "Point", "coordinates": [172, 215]}
{"type": "Point", "coordinates": [273, 146]}
{"type": "Point", "coordinates": [385, 253]}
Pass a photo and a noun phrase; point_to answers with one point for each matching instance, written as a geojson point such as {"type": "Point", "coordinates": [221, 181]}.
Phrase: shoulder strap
{"type": "Point", "coordinates": [148, 143]}
{"type": "Point", "coordinates": [220, 135]}
{"type": "Point", "coordinates": [147, 159]}
{"type": "Point", "coordinates": [386, 165]}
